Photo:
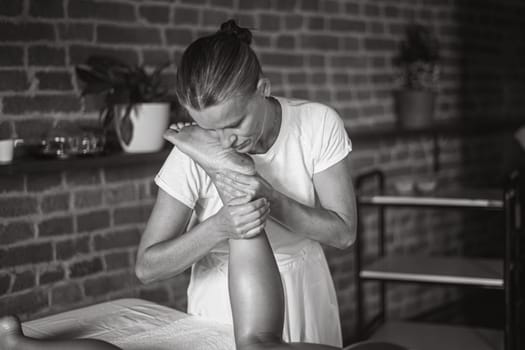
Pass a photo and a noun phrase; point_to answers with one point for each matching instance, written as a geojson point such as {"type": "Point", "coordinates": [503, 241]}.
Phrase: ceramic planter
{"type": "Point", "coordinates": [142, 129]}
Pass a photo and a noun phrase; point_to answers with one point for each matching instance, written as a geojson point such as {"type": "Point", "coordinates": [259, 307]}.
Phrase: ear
{"type": "Point", "coordinates": [264, 87]}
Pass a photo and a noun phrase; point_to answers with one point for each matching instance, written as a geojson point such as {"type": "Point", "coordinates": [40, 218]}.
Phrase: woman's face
{"type": "Point", "coordinates": [239, 121]}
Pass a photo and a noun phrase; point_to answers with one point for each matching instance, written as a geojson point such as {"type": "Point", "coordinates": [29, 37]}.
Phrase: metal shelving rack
{"type": "Point", "coordinates": [501, 274]}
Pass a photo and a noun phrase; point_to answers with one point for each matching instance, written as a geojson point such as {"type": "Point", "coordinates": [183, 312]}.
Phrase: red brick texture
{"type": "Point", "coordinates": [69, 239]}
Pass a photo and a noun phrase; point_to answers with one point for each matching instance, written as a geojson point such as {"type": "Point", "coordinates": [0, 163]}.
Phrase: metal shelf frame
{"type": "Point", "coordinates": [509, 203]}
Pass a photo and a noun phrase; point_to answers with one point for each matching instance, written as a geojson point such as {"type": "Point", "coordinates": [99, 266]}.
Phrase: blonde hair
{"type": "Point", "coordinates": [217, 67]}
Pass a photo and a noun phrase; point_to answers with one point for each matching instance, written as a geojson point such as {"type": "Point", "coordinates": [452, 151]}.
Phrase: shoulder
{"type": "Point", "coordinates": [179, 161]}
{"type": "Point", "coordinates": [179, 170]}
{"type": "Point", "coordinates": [306, 108]}
{"type": "Point", "coordinates": [311, 117]}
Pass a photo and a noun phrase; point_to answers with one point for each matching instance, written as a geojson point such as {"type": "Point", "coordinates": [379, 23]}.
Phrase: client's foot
{"type": "Point", "coordinates": [204, 147]}
{"type": "Point", "coordinates": [10, 332]}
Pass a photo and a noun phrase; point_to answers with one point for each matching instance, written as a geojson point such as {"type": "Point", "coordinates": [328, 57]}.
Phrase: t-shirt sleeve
{"type": "Point", "coordinates": [180, 177]}
{"type": "Point", "coordinates": [331, 141]}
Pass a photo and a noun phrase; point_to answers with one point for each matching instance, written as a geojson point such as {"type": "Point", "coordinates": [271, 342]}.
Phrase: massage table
{"type": "Point", "coordinates": [135, 324]}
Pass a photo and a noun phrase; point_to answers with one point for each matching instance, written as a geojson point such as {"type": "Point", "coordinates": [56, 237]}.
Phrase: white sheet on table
{"type": "Point", "coordinates": [135, 324]}
{"type": "Point", "coordinates": [185, 334]}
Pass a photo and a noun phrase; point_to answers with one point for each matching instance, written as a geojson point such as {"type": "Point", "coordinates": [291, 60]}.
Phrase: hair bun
{"type": "Point", "coordinates": [231, 28]}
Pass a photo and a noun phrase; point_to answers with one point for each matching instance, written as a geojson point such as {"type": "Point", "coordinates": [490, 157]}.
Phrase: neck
{"type": "Point", "coordinates": [271, 125]}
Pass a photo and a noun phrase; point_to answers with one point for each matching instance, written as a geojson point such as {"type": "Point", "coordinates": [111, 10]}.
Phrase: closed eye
{"type": "Point", "coordinates": [235, 125]}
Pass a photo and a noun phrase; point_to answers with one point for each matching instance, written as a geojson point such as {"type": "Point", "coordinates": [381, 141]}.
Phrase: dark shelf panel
{"type": "Point", "coordinates": [463, 128]}
{"type": "Point", "coordinates": [31, 164]}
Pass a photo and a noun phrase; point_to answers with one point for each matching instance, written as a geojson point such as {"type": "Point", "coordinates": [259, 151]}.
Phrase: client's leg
{"type": "Point", "coordinates": [256, 292]}
{"type": "Point", "coordinates": [257, 299]}
{"type": "Point", "coordinates": [12, 338]}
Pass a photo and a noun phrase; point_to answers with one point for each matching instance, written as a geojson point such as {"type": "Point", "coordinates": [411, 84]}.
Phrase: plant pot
{"type": "Point", "coordinates": [415, 108]}
{"type": "Point", "coordinates": [141, 130]}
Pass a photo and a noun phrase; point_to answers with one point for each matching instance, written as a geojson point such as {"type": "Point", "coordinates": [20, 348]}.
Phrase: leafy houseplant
{"type": "Point", "coordinates": [124, 89]}
{"type": "Point", "coordinates": [418, 61]}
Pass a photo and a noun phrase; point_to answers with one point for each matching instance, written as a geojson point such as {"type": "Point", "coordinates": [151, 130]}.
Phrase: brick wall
{"type": "Point", "coordinates": [69, 238]}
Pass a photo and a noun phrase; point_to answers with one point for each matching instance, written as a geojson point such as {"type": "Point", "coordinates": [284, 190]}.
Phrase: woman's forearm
{"type": "Point", "coordinates": [171, 257]}
{"type": "Point", "coordinates": [319, 224]}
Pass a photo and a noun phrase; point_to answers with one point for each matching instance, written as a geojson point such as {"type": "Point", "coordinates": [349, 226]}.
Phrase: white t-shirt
{"type": "Point", "coordinates": [311, 139]}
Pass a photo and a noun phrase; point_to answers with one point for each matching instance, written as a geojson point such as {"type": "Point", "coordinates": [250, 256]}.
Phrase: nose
{"type": "Point", "coordinates": [227, 139]}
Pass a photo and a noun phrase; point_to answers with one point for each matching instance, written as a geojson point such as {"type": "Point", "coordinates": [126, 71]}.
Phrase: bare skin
{"type": "Point", "coordinates": [213, 157]}
{"type": "Point", "coordinates": [204, 147]}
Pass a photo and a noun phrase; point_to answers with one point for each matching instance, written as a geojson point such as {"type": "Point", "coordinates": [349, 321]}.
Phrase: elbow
{"type": "Point", "coordinates": [142, 272]}
{"type": "Point", "coordinates": [348, 236]}
{"type": "Point", "coordinates": [346, 241]}
{"type": "Point", "coordinates": [347, 232]}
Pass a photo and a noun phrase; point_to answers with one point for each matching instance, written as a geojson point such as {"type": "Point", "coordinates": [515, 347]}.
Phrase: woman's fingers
{"type": "Point", "coordinates": [258, 205]}
{"type": "Point", "coordinates": [175, 127]}
{"type": "Point", "coordinates": [249, 219]}
{"type": "Point", "coordinates": [255, 226]}
{"type": "Point", "coordinates": [255, 219]}
{"type": "Point", "coordinates": [179, 125]}
{"type": "Point", "coordinates": [234, 177]}
{"type": "Point", "coordinates": [253, 232]}
{"type": "Point", "coordinates": [229, 192]}
{"type": "Point", "coordinates": [226, 184]}
{"type": "Point", "coordinates": [233, 200]}
{"type": "Point", "coordinates": [253, 186]}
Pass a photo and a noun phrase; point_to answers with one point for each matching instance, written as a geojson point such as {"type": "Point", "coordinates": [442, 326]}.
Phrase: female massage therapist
{"type": "Point", "coordinates": [300, 150]}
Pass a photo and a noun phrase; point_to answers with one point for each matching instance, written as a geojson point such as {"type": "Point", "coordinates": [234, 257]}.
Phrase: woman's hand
{"type": "Point", "coordinates": [179, 125]}
{"type": "Point", "coordinates": [234, 184]}
{"type": "Point", "coordinates": [242, 218]}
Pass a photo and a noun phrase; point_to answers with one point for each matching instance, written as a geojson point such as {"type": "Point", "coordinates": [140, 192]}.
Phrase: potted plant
{"type": "Point", "coordinates": [134, 101]}
{"type": "Point", "coordinates": [418, 61]}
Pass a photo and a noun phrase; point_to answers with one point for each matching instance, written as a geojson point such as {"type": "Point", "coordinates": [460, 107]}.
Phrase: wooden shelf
{"type": "Point", "coordinates": [413, 335]}
{"type": "Point", "coordinates": [442, 270]}
{"type": "Point", "coordinates": [31, 164]}
{"type": "Point", "coordinates": [459, 197]}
